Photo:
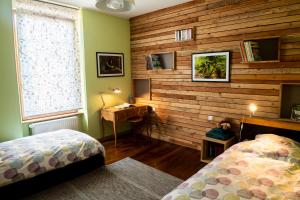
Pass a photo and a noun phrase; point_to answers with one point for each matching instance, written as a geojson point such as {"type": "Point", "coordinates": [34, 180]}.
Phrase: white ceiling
{"type": "Point", "coordinates": [142, 6]}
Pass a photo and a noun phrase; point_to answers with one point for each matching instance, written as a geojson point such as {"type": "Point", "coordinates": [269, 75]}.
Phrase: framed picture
{"type": "Point", "coordinates": [211, 67]}
{"type": "Point", "coordinates": [295, 112]}
{"type": "Point", "coordinates": [110, 64]}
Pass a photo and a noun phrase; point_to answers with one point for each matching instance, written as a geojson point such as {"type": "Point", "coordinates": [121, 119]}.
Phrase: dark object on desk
{"type": "Point", "coordinates": [219, 133]}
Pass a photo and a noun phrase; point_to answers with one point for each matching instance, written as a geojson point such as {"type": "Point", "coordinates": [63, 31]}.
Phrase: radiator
{"type": "Point", "coordinates": [53, 125]}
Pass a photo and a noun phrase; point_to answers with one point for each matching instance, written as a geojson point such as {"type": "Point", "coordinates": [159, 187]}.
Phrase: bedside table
{"type": "Point", "coordinates": [211, 148]}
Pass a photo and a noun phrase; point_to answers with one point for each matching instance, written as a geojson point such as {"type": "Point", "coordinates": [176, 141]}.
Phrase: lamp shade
{"type": "Point", "coordinates": [116, 90]}
{"type": "Point", "coordinates": [252, 107]}
{"type": "Point", "coordinates": [115, 5]}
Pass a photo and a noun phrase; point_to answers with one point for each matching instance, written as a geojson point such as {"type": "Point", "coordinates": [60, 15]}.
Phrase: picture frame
{"type": "Point", "coordinates": [295, 115]}
{"type": "Point", "coordinates": [211, 67]}
{"type": "Point", "coordinates": [110, 64]}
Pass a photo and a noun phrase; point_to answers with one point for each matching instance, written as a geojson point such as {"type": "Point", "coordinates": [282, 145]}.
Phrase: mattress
{"type": "Point", "coordinates": [30, 156]}
{"type": "Point", "coordinates": [265, 168]}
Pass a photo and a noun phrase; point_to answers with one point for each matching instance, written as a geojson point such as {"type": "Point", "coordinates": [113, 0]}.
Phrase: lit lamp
{"type": "Point", "coordinates": [114, 90]}
{"type": "Point", "coordinates": [252, 109]}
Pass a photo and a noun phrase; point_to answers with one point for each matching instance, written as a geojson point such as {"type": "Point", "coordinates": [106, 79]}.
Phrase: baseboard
{"type": "Point", "coordinates": [111, 137]}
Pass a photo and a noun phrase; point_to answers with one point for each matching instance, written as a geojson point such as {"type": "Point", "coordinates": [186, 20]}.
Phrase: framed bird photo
{"type": "Point", "coordinates": [110, 64]}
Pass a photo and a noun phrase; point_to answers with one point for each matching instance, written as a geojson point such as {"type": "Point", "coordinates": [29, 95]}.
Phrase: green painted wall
{"type": "Point", "coordinates": [10, 119]}
{"type": "Point", "coordinates": [104, 33]}
{"type": "Point", "coordinates": [101, 33]}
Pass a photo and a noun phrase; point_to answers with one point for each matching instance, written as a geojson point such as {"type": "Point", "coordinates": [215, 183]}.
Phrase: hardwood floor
{"type": "Point", "coordinates": [176, 160]}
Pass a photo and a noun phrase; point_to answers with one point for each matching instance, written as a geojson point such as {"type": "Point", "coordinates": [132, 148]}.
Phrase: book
{"type": "Point", "coordinates": [242, 49]}
{"type": "Point", "coordinates": [248, 50]}
{"type": "Point", "coordinates": [148, 61]}
{"type": "Point", "coordinates": [155, 62]}
{"type": "Point", "coordinates": [255, 50]}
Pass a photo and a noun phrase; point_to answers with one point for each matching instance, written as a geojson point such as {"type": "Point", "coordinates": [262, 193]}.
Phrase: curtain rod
{"type": "Point", "coordinates": [58, 4]}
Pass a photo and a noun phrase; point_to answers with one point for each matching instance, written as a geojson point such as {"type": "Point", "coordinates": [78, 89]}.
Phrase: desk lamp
{"type": "Point", "coordinates": [114, 90]}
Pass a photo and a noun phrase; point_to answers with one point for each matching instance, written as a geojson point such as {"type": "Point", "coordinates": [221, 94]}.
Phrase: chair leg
{"type": "Point", "coordinates": [134, 132]}
{"type": "Point", "coordinates": [149, 132]}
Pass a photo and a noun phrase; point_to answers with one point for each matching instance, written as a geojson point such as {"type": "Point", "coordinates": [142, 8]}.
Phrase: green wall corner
{"type": "Point", "coordinates": [10, 118]}
{"type": "Point", "coordinates": [104, 33]}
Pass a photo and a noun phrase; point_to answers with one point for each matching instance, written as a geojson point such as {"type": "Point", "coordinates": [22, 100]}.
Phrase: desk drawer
{"type": "Point", "coordinates": [121, 115]}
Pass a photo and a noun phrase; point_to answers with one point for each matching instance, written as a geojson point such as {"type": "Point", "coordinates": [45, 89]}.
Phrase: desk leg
{"type": "Point", "coordinates": [115, 132]}
{"type": "Point", "coordinates": [102, 121]}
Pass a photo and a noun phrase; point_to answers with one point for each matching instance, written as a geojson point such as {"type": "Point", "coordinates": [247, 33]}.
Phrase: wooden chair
{"type": "Point", "coordinates": [139, 123]}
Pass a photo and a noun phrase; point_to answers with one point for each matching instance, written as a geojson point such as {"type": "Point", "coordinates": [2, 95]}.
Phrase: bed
{"type": "Point", "coordinates": [265, 168]}
{"type": "Point", "coordinates": [35, 162]}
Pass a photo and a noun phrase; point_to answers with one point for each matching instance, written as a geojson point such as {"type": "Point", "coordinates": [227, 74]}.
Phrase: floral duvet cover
{"type": "Point", "coordinates": [33, 155]}
{"type": "Point", "coordinates": [265, 168]}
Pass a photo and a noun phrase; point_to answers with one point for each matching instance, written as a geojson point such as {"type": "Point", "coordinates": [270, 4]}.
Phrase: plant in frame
{"type": "Point", "coordinates": [210, 67]}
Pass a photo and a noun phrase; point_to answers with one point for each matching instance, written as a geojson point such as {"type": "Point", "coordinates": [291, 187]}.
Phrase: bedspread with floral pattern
{"type": "Point", "coordinates": [33, 155]}
{"type": "Point", "coordinates": [265, 168]}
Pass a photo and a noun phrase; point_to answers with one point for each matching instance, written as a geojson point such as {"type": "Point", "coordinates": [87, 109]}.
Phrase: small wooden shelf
{"type": "Point", "coordinates": [289, 96]}
{"type": "Point", "coordinates": [161, 61]}
{"type": "Point", "coordinates": [207, 141]}
{"type": "Point", "coordinates": [262, 61]}
{"type": "Point", "coordinates": [185, 34]}
{"type": "Point", "coordinates": [141, 88]}
{"type": "Point", "coordinates": [260, 50]}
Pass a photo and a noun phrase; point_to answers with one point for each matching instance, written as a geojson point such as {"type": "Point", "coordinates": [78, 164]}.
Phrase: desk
{"type": "Point", "coordinates": [121, 115]}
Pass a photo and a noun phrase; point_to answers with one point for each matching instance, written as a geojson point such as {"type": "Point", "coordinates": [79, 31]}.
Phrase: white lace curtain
{"type": "Point", "coordinates": [49, 60]}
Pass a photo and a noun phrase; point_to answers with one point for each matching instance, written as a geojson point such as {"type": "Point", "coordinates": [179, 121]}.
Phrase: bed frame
{"type": "Point", "coordinates": [43, 181]}
{"type": "Point", "coordinates": [250, 127]}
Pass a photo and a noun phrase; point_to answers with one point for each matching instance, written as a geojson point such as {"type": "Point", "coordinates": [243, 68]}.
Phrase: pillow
{"type": "Point", "coordinates": [279, 147]}
{"type": "Point", "coordinates": [277, 139]}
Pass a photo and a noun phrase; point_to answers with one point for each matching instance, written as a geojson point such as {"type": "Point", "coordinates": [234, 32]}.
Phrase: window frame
{"type": "Point", "coordinates": [48, 116]}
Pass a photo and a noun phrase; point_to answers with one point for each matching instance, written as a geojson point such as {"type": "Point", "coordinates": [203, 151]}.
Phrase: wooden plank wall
{"type": "Point", "coordinates": [182, 106]}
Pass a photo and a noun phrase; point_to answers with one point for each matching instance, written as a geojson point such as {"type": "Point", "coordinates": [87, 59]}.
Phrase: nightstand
{"type": "Point", "coordinates": [211, 148]}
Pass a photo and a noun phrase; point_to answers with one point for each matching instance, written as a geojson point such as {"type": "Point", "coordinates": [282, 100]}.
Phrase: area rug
{"type": "Point", "coordinates": [126, 179]}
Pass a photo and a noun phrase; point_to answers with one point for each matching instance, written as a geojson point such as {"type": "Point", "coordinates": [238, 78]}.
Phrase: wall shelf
{"type": "Point", "coordinates": [141, 88]}
{"type": "Point", "coordinates": [161, 61]}
{"type": "Point", "coordinates": [289, 96]}
{"type": "Point", "coordinates": [186, 34]}
{"type": "Point", "coordinates": [260, 50]}
{"type": "Point", "coordinates": [208, 143]}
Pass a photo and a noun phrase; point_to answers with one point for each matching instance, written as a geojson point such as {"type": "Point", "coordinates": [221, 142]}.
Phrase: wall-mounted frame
{"type": "Point", "coordinates": [110, 64]}
{"type": "Point", "coordinates": [141, 88]}
{"type": "Point", "coordinates": [211, 67]}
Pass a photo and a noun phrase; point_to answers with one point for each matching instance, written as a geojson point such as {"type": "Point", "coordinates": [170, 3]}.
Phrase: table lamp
{"type": "Point", "coordinates": [114, 90]}
{"type": "Point", "coordinates": [252, 109]}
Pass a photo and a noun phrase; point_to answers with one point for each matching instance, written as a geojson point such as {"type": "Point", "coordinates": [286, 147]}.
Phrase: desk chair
{"type": "Point", "coordinates": [139, 123]}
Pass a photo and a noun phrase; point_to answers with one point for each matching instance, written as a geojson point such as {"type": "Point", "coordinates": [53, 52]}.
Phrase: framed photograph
{"type": "Point", "coordinates": [211, 67]}
{"type": "Point", "coordinates": [110, 64]}
{"type": "Point", "coordinates": [296, 112]}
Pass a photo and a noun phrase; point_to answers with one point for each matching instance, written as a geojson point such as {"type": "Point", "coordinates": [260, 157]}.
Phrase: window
{"type": "Point", "coordinates": [47, 49]}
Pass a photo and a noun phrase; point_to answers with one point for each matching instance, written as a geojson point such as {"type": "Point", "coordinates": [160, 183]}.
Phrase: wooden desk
{"type": "Point", "coordinates": [121, 115]}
